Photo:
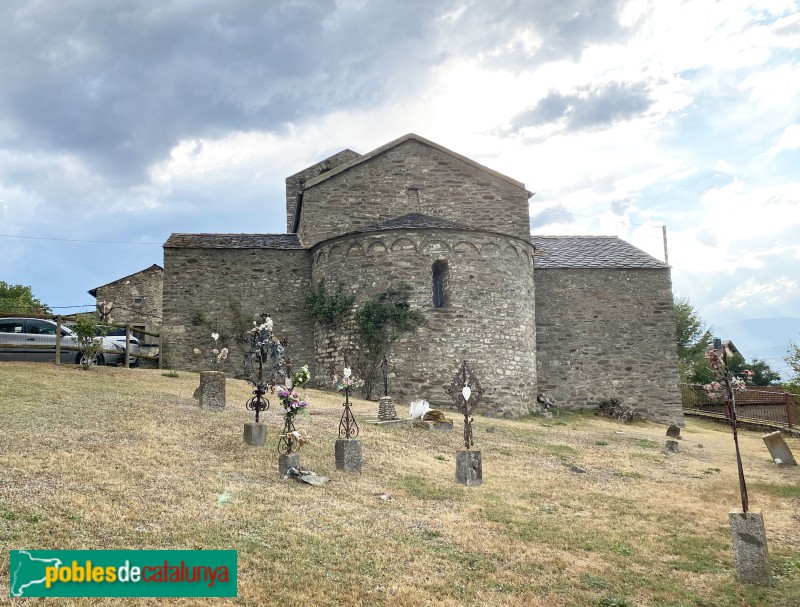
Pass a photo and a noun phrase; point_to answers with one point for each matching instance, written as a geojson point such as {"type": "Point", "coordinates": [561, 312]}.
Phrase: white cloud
{"type": "Point", "coordinates": [752, 291]}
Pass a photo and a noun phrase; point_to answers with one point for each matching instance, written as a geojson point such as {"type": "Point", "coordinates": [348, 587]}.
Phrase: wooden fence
{"type": "Point", "coordinates": [59, 346]}
{"type": "Point", "coordinates": [764, 405]}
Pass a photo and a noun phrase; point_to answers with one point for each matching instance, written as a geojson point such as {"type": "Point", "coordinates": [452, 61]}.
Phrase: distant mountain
{"type": "Point", "coordinates": [764, 338]}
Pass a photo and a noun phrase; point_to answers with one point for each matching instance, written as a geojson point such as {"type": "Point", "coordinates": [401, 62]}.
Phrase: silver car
{"type": "Point", "coordinates": [18, 334]}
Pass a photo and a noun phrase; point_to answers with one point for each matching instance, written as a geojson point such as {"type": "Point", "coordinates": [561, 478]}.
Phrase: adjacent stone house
{"type": "Point", "coordinates": [137, 299]}
{"type": "Point", "coordinates": [582, 319]}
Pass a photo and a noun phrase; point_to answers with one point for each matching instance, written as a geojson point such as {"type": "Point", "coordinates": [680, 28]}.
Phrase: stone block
{"type": "Point", "coordinates": [287, 461]}
{"type": "Point", "coordinates": [779, 450]}
{"type": "Point", "coordinates": [750, 547]}
{"type": "Point", "coordinates": [212, 390]}
{"type": "Point", "coordinates": [255, 434]}
{"type": "Point", "coordinates": [386, 409]}
{"type": "Point", "coordinates": [674, 431]}
{"type": "Point", "coordinates": [672, 446]}
{"type": "Point", "coordinates": [348, 454]}
{"type": "Point", "coordinates": [469, 468]}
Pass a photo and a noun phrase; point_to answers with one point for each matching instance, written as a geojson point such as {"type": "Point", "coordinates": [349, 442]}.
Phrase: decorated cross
{"type": "Point", "coordinates": [466, 392]}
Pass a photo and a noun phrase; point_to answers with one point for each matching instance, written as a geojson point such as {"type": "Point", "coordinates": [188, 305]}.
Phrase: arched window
{"type": "Point", "coordinates": [439, 283]}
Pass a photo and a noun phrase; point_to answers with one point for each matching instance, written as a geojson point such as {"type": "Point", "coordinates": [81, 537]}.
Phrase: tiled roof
{"type": "Point", "coordinates": [233, 241]}
{"type": "Point", "coordinates": [410, 221]}
{"type": "Point", "coordinates": [590, 252]}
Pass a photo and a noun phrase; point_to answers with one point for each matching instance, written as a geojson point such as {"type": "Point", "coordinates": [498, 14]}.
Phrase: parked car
{"type": "Point", "coordinates": [18, 334]}
{"type": "Point", "coordinates": [117, 335]}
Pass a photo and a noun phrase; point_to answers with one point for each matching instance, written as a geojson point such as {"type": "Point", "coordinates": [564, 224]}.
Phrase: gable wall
{"type": "Point", "coordinates": [412, 178]}
{"type": "Point", "coordinates": [296, 181]}
{"type": "Point", "coordinates": [137, 299]}
{"type": "Point", "coordinates": [228, 288]}
{"type": "Point", "coordinates": [608, 333]}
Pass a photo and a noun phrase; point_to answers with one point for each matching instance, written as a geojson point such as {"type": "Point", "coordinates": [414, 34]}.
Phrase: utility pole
{"type": "Point", "coordinates": [666, 254]}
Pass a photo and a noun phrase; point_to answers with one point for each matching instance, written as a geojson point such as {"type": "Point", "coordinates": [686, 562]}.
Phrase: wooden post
{"type": "Point", "coordinates": [58, 340]}
{"type": "Point", "coordinates": [127, 346]}
{"type": "Point", "coordinates": [787, 401]}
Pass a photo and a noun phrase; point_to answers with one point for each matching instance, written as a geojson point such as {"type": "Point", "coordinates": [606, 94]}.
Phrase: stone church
{"type": "Point", "coordinates": [581, 319]}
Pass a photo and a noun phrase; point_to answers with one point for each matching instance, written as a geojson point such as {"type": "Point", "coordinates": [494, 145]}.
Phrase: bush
{"type": "Point", "coordinates": [89, 344]}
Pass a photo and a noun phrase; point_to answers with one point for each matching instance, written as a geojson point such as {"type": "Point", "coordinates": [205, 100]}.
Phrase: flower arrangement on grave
{"type": "Point", "coordinates": [347, 382]}
{"type": "Point", "coordinates": [348, 428]}
{"type": "Point", "coordinates": [263, 362]}
{"type": "Point", "coordinates": [217, 356]}
{"type": "Point", "coordinates": [291, 440]}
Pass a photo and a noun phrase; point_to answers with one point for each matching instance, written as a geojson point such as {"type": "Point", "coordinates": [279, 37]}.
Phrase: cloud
{"type": "Point", "coordinates": [789, 140]}
{"type": "Point", "coordinates": [587, 108]}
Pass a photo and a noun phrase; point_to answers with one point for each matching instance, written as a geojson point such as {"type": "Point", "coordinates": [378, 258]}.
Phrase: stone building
{"type": "Point", "coordinates": [137, 298]}
{"type": "Point", "coordinates": [581, 319]}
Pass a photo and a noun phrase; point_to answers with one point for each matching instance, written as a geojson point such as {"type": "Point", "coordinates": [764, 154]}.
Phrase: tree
{"type": "Point", "coordinates": [793, 360]}
{"type": "Point", "coordinates": [380, 321]}
{"type": "Point", "coordinates": [694, 340]}
{"type": "Point", "coordinates": [19, 299]}
{"type": "Point", "coordinates": [760, 373]}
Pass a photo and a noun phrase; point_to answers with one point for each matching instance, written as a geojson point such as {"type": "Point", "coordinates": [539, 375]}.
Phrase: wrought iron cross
{"type": "Point", "coordinates": [348, 428]}
{"type": "Point", "coordinates": [466, 392]}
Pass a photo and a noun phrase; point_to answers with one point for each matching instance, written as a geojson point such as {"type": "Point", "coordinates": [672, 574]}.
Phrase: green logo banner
{"type": "Point", "coordinates": [123, 573]}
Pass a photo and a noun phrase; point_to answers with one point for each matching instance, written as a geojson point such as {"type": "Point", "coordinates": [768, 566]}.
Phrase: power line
{"type": "Point", "coordinates": [77, 240]}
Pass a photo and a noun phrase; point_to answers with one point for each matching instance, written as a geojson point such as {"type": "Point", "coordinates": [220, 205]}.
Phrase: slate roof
{"type": "Point", "coordinates": [590, 252]}
{"type": "Point", "coordinates": [411, 221]}
{"type": "Point", "coordinates": [233, 241]}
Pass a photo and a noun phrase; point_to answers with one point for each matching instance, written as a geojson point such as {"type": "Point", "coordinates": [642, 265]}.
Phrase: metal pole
{"type": "Point", "coordinates": [664, 234]}
{"type": "Point", "coordinates": [732, 401]}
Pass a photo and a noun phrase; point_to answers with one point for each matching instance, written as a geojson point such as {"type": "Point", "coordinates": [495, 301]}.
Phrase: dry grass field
{"type": "Point", "coordinates": [114, 458]}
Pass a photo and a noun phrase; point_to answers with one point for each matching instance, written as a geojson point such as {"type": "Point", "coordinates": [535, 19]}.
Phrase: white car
{"type": "Point", "coordinates": [17, 335]}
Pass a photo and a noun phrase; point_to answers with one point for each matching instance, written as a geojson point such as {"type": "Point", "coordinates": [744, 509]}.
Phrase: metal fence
{"type": "Point", "coordinates": [771, 406]}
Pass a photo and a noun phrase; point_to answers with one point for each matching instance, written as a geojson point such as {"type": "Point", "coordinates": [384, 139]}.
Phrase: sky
{"type": "Point", "coordinates": [122, 122]}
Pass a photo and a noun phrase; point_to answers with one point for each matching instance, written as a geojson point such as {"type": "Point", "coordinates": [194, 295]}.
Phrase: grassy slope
{"type": "Point", "coordinates": [115, 458]}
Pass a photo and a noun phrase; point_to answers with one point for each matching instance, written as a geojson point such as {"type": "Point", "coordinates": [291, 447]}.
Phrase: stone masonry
{"type": "Point", "coordinates": [581, 319]}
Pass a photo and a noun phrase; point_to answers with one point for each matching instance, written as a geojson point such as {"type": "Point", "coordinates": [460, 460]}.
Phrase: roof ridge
{"type": "Point", "coordinates": [409, 137]}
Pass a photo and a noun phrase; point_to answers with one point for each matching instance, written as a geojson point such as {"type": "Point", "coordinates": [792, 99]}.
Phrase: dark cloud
{"type": "Point", "coordinates": [588, 107]}
{"type": "Point", "coordinates": [119, 85]}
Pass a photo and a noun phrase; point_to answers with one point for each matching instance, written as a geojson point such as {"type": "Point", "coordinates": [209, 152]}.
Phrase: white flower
{"type": "Point", "coordinates": [215, 335]}
{"type": "Point", "coordinates": [197, 351]}
{"type": "Point", "coordinates": [268, 324]}
{"type": "Point", "coordinates": [347, 372]}
{"type": "Point", "coordinates": [215, 351]}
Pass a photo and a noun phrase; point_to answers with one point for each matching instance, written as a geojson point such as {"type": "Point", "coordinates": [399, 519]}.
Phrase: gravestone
{"type": "Point", "coordinates": [779, 450]}
{"type": "Point", "coordinates": [348, 454]}
{"type": "Point", "coordinates": [750, 547]}
{"type": "Point", "coordinates": [255, 434]}
{"type": "Point", "coordinates": [674, 431]}
{"type": "Point", "coordinates": [287, 461]}
{"type": "Point", "coordinates": [212, 390]}
{"type": "Point", "coordinates": [469, 468]}
{"type": "Point", "coordinates": [672, 446]}
{"type": "Point", "coordinates": [386, 409]}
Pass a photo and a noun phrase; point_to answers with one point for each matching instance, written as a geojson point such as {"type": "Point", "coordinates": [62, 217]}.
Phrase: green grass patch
{"type": "Point", "coordinates": [424, 489]}
{"type": "Point", "coordinates": [789, 491]}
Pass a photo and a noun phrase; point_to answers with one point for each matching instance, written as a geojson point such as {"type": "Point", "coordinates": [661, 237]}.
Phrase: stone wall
{"type": "Point", "coordinates": [228, 288]}
{"type": "Point", "coordinates": [295, 182]}
{"type": "Point", "coordinates": [137, 299]}
{"type": "Point", "coordinates": [488, 317]}
{"type": "Point", "coordinates": [608, 333]}
{"type": "Point", "coordinates": [413, 178]}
